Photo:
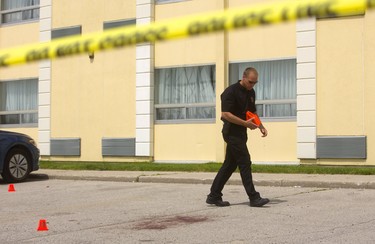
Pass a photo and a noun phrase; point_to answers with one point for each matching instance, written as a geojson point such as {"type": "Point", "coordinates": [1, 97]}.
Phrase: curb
{"type": "Point", "coordinates": [203, 178]}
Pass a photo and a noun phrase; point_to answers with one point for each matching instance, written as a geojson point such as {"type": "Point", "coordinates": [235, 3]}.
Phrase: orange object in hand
{"type": "Point", "coordinates": [250, 115]}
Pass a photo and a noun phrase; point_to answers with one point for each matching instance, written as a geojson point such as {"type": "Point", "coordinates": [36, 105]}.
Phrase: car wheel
{"type": "Point", "coordinates": [16, 166]}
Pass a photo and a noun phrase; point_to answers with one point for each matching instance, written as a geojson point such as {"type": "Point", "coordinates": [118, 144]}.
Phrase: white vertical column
{"type": "Point", "coordinates": [144, 142]}
{"type": "Point", "coordinates": [44, 88]}
{"type": "Point", "coordinates": [306, 89]}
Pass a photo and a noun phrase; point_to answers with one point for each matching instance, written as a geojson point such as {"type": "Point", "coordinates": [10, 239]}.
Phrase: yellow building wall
{"type": "Point", "coordinates": [14, 36]}
{"type": "Point", "coordinates": [340, 87]}
{"type": "Point", "coordinates": [345, 57]}
{"type": "Point", "coordinates": [203, 141]}
{"type": "Point", "coordinates": [274, 42]}
{"type": "Point", "coordinates": [90, 14]}
{"type": "Point", "coordinates": [188, 51]}
{"type": "Point", "coordinates": [267, 43]}
{"type": "Point", "coordinates": [181, 142]}
{"type": "Point", "coordinates": [277, 147]}
{"type": "Point", "coordinates": [369, 59]}
{"type": "Point", "coordinates": [369, 86]}
{"type": "Point", "coordinates": [261, 43]}
{"type": "Point", "coordinates": [93, 100]}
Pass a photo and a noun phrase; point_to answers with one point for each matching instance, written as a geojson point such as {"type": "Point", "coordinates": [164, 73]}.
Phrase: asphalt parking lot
{"type": "Point", "coordinates": [133, 212]}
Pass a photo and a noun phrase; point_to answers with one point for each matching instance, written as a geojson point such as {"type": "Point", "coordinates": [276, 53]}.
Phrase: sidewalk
{"type": "Point", "coordinates": [260, 179]}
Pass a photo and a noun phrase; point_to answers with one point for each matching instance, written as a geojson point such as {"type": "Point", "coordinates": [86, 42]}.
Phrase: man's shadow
{"type": "Point", "coordinates": [272, 202]}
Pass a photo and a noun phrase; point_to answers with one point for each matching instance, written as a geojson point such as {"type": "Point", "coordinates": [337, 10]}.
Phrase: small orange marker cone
{"type": "Point", "coordinates": [42, 225]}
{"type": "Point", "coordinates": [11, 188]}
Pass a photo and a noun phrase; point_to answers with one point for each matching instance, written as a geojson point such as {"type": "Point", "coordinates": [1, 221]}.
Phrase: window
{"type": "Point", "coordinates": [185, 94]}
{"type": "Point", "coordinates": [14, 11]}
{"type": "Point", "coordinates": [353, 13]}
{"type": "Point", "coordinates": [19, 102]}
{"type": "Point", "coordinates": [168, 1]}
{"type": "Point", "coordinates": [276, 90]}
{"type": "Point", "coordinates": [118, 23]}
{"type": "Point", "coordinates": [66, 31]}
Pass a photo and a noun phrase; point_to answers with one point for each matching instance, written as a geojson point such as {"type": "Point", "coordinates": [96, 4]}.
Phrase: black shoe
{"type": "Point", "coordinates": [217, 201]}
{"type": "Point", "coordinates": [259, 202]}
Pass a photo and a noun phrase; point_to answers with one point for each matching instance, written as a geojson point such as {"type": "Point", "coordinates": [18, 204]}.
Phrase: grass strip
{"type": "Point", "coordinates": [206, 167]}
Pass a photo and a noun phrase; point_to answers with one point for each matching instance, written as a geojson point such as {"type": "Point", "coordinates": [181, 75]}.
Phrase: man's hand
{"type": "Point", "coordinates": [263, 130]}
{"type": "Point", "coordinates": [250, 124]}
{"type": "Point", "coordinates": [238, 121]}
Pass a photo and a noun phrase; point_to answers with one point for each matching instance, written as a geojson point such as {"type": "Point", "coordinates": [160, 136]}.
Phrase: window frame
{"type": "Point", "coordinates": [20, 113]}
{"type": "Point", "coordinates": [185, 106]}
{"type": "Point", "coordinates": [359, 14]}
{"type": "Point", "coordinates": [265, 102]}
{"type": "Point", "coordinates": [277, 102]}
{"type": "Point", "coordinates": [112, 24]}
{"type": "Point", "coordinates": [67, 31]}
{"type": "Point", "coordinates": [14, 10]}
{"type": "Point", "coordinates": [159, 2]}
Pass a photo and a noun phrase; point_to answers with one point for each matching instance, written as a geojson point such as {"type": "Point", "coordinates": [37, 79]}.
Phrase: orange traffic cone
{"type": "Point", "coordinates": [42, 225]}
{"type": "Point", "coordinates": [11, 188]}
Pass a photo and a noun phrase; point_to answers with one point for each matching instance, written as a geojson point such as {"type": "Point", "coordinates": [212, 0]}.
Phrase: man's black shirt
{"type": "Point", "coordinates": [237, 100]}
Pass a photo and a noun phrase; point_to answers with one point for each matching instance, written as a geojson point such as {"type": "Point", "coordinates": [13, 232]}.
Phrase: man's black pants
{"type": "Point", "coordinates": [237, 154]}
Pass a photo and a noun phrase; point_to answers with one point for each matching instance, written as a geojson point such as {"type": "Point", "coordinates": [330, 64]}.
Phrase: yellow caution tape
{"type": "Point", "coordinates": [255, 15]}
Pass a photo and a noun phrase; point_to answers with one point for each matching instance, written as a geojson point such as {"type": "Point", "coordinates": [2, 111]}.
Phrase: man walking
{"type": "Point", "coordinates": [236, 100]}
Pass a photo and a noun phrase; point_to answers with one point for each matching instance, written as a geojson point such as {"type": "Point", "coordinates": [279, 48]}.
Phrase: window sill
{"type": "Point", "coordinates": [169, 1]}
{"type": "Point", "coordinates": [30, 21]}
{"type": "Point", "coordinates": [279, 119]}
{"type": "Point", "coordinates": [19, 125]}
{"type": "Point", "coordinates": [185, 121]}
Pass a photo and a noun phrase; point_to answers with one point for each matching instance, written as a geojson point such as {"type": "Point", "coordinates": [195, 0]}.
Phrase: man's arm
{"type": "Point", "coordinates": [228, 116]}
{"type": "Point", "coordinates": [262, 129]}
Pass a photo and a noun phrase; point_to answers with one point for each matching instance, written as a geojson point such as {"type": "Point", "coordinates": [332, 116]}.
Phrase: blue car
{"type": "Point", "coordinates": [18, 156]}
